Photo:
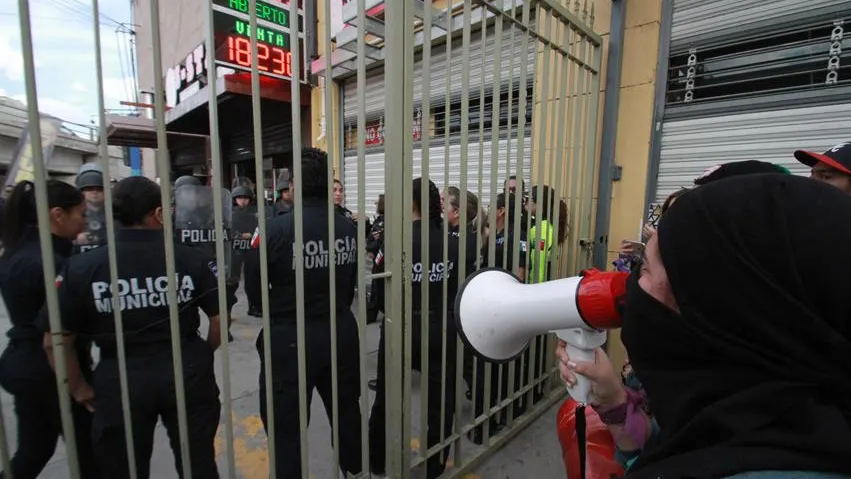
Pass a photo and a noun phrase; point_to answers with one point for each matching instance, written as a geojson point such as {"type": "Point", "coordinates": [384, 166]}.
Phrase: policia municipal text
{"type": "Point", "coordinates": [85, 297]}
{"type": "Point", "coordinates": [318, 316]}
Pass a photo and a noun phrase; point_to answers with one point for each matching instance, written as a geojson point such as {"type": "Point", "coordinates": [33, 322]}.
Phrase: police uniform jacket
{"type": "Point", "coordinates": [472, 255]}
{"type": "Point", "coordinates": [431, 272]}
{"type": "Point", "coordinates": [85, 296]}
{"type": "Point", "coordinates": [504, 243]}
{"type": "Point", "coordinates": [22, 284]}
{"type": "Point", "coordinates": [280, 241]}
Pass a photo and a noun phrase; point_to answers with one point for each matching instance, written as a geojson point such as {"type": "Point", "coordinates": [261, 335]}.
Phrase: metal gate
{"type": "Point", "coordinates": [559, 154]}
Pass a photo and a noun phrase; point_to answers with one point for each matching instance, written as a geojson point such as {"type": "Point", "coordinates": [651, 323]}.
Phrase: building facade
{"type": "Point", "coordinates": [184, 54]}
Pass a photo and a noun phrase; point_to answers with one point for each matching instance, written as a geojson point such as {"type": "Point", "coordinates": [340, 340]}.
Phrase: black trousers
{"type": "Point", "coordinates": [436, 378]}
{"type": "Point", "coordinates": [251, 264]}
{"type": "Point", "coordinates": [26, 374]}
{"type": "Point", "coordinates": [286, 390]}
{"type": "Point", "coordinates": [152, 396]}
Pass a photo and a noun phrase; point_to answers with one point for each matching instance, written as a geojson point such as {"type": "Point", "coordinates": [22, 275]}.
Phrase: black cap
{"type": "Point", "coordinates": [838, 157]}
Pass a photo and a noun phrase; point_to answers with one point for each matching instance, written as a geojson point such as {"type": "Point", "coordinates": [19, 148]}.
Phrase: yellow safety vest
{"type": "Point", "coordinates": [539, 251]}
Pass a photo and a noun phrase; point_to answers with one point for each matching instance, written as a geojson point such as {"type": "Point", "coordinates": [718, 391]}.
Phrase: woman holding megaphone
{"type": "Point", "coordinates": [737, 323]}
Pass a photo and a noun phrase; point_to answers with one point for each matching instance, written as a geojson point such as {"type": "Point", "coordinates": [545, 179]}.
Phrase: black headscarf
{"type": "Point", "coordinates": [754, 373]}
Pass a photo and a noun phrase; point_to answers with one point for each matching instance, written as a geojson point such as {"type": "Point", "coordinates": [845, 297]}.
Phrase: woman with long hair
{"type": "Point", "coordinates": [24, 368]}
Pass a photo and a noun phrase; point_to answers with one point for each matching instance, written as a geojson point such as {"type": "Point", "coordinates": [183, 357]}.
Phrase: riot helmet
{"type": "Point", "coordinates": [186, 180]}
{"type": "Point", "coordinates": [89, 176]}
{"type": "Point", "coordinates": [240, 191]}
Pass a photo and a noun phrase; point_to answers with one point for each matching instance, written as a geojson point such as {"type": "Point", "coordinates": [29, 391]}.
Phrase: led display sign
{"type": "Point", "coordinates": [233, 35]}
{"type": "Point", "coordinates": [276, 14]}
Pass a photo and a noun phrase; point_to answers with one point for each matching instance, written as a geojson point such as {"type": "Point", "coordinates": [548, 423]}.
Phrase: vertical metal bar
{"type": "Point", "coordinates": [462, 202]}
{"type": "Point", "coordinates": [494, 167]}
{"type": "Point", "coordinates": [510, 106]}
{"type": "Point", "coordinates": [168, 238]}
{"type": "Point", "coordinates": [591, 141]}
{"type": "Point", "coordinates": [398, 231]}
{"type": "Point", "coordinates": [295, 95]}
{"type": "Point", "coordinates": [608, 148]}
{"type": "Point", "coordinates": [660, 88]}
{"type": "Point", "coordinates": [103, 150]}
{"type": "Point", "coordinates": [576, 107]}
{"type": "Point", "coordinates": [407, 228]}
{"type": "Point", "coordinates": [560, 102]}
{"type": "Point", "coordinates": [506, 261]}
{"type": "Point", "coordinates": [331, 136]}
{"type": "Point", "coordinates": [218, 211]}
{"type": "Point", "coordinates": [521, 123]}
{"type": "Point", "coordinates": [480, 191]}
{"type": "Point", "coordinates": [425, 230]}
{"type": "Point", "coordinates": [361, 159]}
{"type": "Point", "coordinates": [445, 254]}
{"type": "Point", "coordinates": [260, 183]}
{"type": "Point", "coordinates": [42, 208]}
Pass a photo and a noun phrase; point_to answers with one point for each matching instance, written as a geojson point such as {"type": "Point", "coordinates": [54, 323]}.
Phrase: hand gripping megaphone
{"type": "Point", "coordinates": [497, 315]}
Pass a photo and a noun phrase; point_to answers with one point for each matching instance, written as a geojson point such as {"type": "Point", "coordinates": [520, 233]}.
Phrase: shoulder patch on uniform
{"type": "Point", "coordinates": [523, 246]}
{"type": "Point", "coordinates": [214, 268]}
{"type": "Point", "coordinates": [59, 280]}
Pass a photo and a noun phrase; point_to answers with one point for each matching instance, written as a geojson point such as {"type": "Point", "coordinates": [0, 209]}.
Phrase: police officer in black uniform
{"type": "Point", "coordinates": [432, 273]}
{"type": "Point", "coordinates": [24, 370]}
{"type": "Point", "coordinates": [505, 240]}
{"type": "Point", "coordinates": [243, 223]}
{"type": "Point", "coordinates": [90, 181]}
{"type": "Point", "coordinates": [85, 298]}
{"type": "Point", "coordinates": [280, 240]}
{"type": "Point", "coordinates": [284, 202]}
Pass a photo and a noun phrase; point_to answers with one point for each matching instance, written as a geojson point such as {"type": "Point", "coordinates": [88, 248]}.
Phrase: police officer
{"type": "Point", "coordinates": [24, 370]}
{"type": "Point", "coordinates": [86, 302]}
{"type": "Point", "coordinates": [284, 203]}
{"type": "Point", "coordinates": [279, 245]}
{"type": "Point", "coordinates": [433, 273]}
{"type": "Point", "coordinates": [505, 240]}
{"type": "Point", "coordinates": [244, 222]}
{"type": "Point", "coordinates": [195, 224]}
{"type": "Point", "coordinates": [90, 181]}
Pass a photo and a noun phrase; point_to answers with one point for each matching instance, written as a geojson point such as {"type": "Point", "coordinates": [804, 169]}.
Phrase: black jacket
{"type": "Point", "coordinates": [280, 239]}
{"type": "Point", "coordinates": [433, 272]}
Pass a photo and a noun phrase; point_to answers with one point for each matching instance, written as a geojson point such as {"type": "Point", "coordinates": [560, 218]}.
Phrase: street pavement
{"type": "Point", "coordinates": [534, 453]}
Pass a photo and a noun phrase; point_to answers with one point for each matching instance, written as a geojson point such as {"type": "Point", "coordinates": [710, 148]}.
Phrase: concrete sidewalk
{"type": "Point", "coordinates": [534, 453]}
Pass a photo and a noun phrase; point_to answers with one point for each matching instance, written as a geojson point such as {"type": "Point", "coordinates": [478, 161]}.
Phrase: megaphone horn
{"type": "Point", "coordinates": [497, 315]}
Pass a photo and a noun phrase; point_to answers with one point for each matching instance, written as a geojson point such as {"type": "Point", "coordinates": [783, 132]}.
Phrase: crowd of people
{"type": "Point", "coordinates": [145, 292]}
{"type": "Point", "coordinates": [735, 322]}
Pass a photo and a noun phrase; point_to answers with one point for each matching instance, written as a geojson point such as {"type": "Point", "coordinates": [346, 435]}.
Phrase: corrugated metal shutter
{"type": "Point", "coordinates": [375, 78]}
{"type": "Point", "coordinates": [710, 18]}
{"type": "Point", "coordinates": [691, 146]}
{"type": "Point", "coordinates": [374, 170]}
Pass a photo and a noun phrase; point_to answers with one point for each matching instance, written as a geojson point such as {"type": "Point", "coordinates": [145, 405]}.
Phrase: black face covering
{"type": "Point", "coordinates": [754, 373]}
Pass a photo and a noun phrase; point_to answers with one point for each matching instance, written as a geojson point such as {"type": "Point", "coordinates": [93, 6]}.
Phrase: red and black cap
{"type": "Point", "coordinates": [838, 157]}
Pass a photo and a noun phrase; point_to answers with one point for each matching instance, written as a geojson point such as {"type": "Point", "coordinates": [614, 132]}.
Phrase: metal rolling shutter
{"type": "Point", "coordinates": [691, 146]}
{"type": "Point", "coordinates": [706, 19]}
{"type": "Point", "coordinates": [374, 170]}
{"type": "Point", "coordinates": [375, 92]}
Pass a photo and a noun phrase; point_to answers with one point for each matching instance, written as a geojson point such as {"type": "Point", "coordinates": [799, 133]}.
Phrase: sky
{"type": "Point", "coordinates": [63, 38]}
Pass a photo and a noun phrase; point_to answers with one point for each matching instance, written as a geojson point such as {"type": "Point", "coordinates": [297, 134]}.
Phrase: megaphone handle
{"type": "Point", "coordinates": [581, 391]}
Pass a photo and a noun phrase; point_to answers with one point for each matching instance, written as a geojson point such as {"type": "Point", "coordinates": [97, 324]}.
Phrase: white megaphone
{"type": "Point", "coordinates": [497, 315]}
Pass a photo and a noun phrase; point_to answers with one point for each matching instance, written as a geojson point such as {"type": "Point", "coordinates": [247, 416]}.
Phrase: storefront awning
{"type": "Point", "coordinates": [141, 132]}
